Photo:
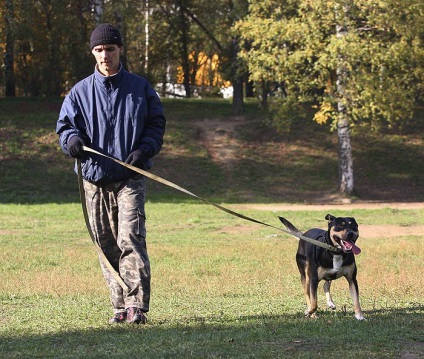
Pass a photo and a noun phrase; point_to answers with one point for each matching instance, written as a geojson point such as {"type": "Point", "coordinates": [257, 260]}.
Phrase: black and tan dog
{"type": "Point", "coordinates": [317, 263]}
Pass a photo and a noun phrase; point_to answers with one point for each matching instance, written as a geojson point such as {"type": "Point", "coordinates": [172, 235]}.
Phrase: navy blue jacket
{"type": "Point", "coordinates": [113, 115]}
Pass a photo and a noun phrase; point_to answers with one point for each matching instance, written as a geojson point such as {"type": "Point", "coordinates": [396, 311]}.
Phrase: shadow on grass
{"type": "Point", "coordinates": [40, 181]}
{"type": "Point", "coordinates": [387, 167]}
{"type": "Point", "coordinates": [388, 333]}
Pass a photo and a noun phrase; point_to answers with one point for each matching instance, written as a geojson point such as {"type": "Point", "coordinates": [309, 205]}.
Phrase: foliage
{"type": "Point", "coordinates": [50, 45]}
{"type": "Point", "coordinates": [288, 110]}
{"type": "Point", "coordinates": [347, 56]}
{"type": "Point", "coordinates": [295, 43]}
{"type": "Point", "coordinates": [51, 52]}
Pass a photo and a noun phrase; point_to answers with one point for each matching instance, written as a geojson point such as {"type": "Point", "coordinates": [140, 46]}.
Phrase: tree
{"type": "Point", "coordinates": [361, 61]}
{"type": "Point", "coordinates": [49, 45]}
{"type": "Point", "coordinates": [45, 43]}
{"type": "Point", "coordinates": [204, 27]}
{"type": "Point", "coordinates": [238, 69]}
{"type": "Point", "coordinates": [97, 10]}
{"type": "Point", "coordinates": [9, 53]}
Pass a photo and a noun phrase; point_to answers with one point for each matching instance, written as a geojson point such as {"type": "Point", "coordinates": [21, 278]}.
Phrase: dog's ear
{"type": "Point", "coordinates": [329, 217]}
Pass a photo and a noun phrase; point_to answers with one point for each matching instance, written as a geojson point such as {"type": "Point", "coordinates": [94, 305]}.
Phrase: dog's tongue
{"type": "Point", "coordinates": [353, 247]}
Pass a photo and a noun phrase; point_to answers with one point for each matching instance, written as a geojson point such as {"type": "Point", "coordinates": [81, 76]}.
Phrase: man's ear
{"type": "Point", "coordinates": [121, 50]}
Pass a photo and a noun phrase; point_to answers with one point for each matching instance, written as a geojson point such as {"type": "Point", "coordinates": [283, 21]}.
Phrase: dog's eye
{"type": "Point", "coordinates": [341, 225]}
{"type": "Point", "coordinates": [353, 225]}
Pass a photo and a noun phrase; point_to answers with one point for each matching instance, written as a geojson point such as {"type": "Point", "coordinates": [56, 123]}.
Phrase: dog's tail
{"type": "Point", "coordinates": [290, 227]}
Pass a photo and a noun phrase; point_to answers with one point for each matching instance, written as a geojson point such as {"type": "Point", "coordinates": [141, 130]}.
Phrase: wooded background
{"type": "Point", "coordinates": [46, 43]}
{"type": "Point", "coordinates": [358, 62]}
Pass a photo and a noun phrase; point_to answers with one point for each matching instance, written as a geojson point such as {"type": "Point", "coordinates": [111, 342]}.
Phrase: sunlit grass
{"type": "Point", "coordinates": [222, 287]}
{"type": "Point", "coordinates": [218, 284]}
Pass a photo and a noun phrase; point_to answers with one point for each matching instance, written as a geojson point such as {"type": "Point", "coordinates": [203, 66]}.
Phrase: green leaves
{"type": "Point", "coordinates": [380, 50]}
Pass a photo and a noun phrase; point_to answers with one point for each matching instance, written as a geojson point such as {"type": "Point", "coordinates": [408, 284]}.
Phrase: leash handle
{"type": "Point", "coordinates": [152, 176]}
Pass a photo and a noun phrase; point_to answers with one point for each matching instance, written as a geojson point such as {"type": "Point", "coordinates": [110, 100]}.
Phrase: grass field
{"type": "Point", "coordinates": [222, 287]}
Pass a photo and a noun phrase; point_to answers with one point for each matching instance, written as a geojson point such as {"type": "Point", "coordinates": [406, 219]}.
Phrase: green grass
{"type": "Point", "coordinates": [222, 287]}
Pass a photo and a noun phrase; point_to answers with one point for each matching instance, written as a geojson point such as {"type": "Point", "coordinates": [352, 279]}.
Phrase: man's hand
{"type": "Point", "coordinates": [75, 144]}
{"type": "Point", "coordinates": [138, 158]}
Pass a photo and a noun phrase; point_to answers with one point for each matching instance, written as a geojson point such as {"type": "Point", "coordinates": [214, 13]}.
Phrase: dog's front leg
{"type": "Point", "coordinates": [354, 292]}
{"type": "Point", "coordinates": [330, 303]}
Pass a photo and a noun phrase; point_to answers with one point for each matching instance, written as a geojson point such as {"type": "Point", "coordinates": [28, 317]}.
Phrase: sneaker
{"type": "Point", "coordinates": [136, 316]}
{"type": "Point", "coordinates": [118, 318]}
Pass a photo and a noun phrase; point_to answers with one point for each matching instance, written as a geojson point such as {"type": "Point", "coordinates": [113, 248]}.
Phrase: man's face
{"type": "Point", "coordinates": [107, 58]}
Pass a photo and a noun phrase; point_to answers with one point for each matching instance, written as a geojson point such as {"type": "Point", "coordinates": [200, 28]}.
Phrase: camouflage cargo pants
{"type": "Point", "coordinates": [117, 219]}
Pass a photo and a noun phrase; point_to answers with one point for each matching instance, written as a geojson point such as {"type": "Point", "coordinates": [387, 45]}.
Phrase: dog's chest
{"type": "Point", "coordinates": [336, 271]}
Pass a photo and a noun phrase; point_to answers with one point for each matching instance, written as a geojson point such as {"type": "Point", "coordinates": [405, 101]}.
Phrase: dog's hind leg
{"type": "Point", "coordinates": [304, 270]}
{"type": "Point", "coordinates": [330, 303]}
{"type": "Point", "coordinates": [313, 298]}
{"type": "Point", "coordinates": [310, 285]}
{"type": "Point", "coordinates": [305, 285]}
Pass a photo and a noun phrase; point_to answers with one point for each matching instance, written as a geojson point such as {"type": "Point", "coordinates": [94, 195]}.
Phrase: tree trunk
{"type": "Point", "coordinates": [237, 79]}
{"type": "Point", "coordinates": [147, 34]}
{"type": "Point", "coordinates": [120, 25]}
{"type": "Point", "coordinates": [250, 87]}
{"type": "Point", "coordinates": [237, 105]}
{"type": "Point", "coordinates": [9, 56]}
{"type": "Point", "coordinates": [184, 49]}
{"type": "Point", "coordinates": [97, 9]}
{"type": "Point", "coordinates": [264, 93]}
{"type": "Point", "coordinates": [52, 76]}
{"type": "Point", "coordinates": [346, 183]}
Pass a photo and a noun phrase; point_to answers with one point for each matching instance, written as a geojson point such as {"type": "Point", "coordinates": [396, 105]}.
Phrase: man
{"type": "Point", "coordinates": [116, 113]}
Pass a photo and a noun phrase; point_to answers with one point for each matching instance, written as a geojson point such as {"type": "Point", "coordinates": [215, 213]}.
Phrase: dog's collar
{"type": "Point", "coordinates": [327, 240]}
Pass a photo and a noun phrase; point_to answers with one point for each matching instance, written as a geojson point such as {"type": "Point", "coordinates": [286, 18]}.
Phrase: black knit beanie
{"type": "Point", "coordinates": [105, 34]}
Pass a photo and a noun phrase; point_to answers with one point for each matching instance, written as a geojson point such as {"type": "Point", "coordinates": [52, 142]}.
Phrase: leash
{"type": "Point", "coordinates": [99, 250]}
{"type": "Point", "coordinates": [293, 231]}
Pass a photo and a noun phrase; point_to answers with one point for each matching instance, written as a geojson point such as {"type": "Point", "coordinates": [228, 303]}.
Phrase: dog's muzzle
{"type": "Point", "coordinates": [347, 244]}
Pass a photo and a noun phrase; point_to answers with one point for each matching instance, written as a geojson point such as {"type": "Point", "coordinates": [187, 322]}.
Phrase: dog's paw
{"type": "Point", "coordinates": [331, 305]}
{"type": "Point", "coordinates": [308, 314]}
{"type": "Point", "coordinates": [360, 316]}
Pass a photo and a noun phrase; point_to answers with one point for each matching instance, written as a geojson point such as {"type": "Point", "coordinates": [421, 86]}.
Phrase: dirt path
{"type": "Point", "coordinates": [366, 231]}
{"type": "Point", "coordinates": [218, 138]}
{"type": "Point", "coordinates": [343, 206]}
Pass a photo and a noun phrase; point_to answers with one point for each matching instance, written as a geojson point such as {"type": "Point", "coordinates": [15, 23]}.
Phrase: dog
{"type": "Point", "coordinates": [317, 263]}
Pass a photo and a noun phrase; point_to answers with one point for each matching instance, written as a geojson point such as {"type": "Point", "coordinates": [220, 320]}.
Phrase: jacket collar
{"type": "Point", "coordinates": [113, 80]}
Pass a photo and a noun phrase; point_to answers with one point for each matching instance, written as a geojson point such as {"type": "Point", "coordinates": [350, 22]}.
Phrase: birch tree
{"type": "Point", "coordinates": [97, 10]}
{"type": "Point", "coordinates": [346, 182]}
{"type": "Point", "coordinates": [360, 61]}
